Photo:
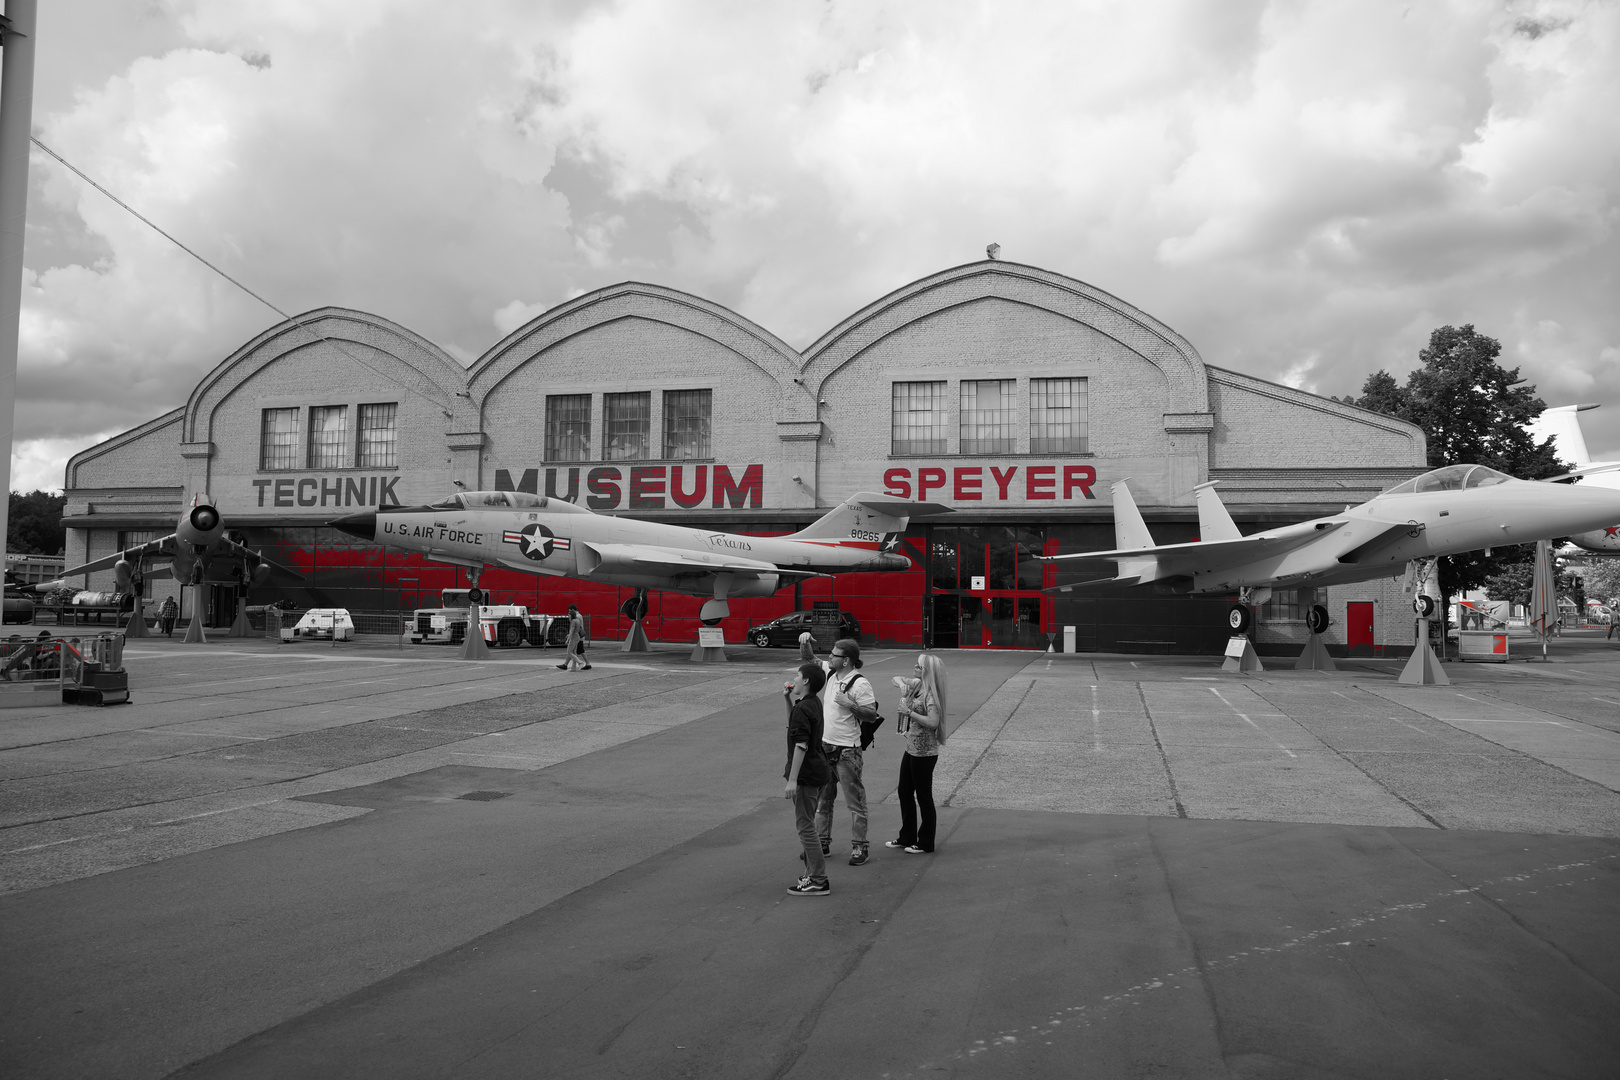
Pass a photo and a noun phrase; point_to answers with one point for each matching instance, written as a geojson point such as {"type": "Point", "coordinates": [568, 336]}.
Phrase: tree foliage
{"type": "Point", "coordinates": [1473, 411]}
{"type": "Point", "coordinates": [35, 524]}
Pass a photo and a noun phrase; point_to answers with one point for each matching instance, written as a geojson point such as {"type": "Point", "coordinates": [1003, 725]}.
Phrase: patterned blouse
{"type": "Point", "coordinates": [920, 741]}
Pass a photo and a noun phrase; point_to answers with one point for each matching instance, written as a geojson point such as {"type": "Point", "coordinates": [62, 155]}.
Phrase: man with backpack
{"type": "Point", "coordinates": [846, 700]}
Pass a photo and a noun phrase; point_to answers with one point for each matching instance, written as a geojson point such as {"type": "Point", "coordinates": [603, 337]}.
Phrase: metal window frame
{"type": "Point", "coordinates": [367, 452]}
{"type": "Point", "coordinates": [568, 427]}
{"type": "Point", "coordinates": [1077, 439]}
{"type": "Point", "coordinates": [988, 430]}
{"type": "Point", "coordinates": [285, 440]}
{"type": "Point", "coordinates": [616, 424]}
{"type": "Point", "coordinates": [677, 422]}
{"type": "Point", "coordinates": [903, 437]}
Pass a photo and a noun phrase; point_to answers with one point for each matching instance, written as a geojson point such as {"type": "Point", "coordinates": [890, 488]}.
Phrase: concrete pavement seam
{"type": "Point", "coordinates": [1175, 793]}
{"type": "Point", "coordinates": [988, 744]}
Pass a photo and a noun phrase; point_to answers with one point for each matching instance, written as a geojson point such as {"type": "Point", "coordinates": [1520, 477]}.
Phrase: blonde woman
{"type": "Point", "coordinates": [922, 722]}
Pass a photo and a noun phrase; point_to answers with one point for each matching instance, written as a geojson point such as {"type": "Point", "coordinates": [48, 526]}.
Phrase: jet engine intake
{"type": "Point", "coordinates": [202, 526]}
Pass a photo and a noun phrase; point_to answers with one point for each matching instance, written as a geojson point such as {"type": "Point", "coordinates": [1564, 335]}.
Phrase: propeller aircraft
{"type": "Point", "coordinates": [540, 534]}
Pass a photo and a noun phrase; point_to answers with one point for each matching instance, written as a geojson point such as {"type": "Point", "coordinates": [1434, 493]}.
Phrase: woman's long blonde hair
{"type": "Point", "coordinates": [933, 686]}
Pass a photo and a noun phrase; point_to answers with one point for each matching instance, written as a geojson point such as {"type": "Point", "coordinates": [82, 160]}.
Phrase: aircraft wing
{"type": "Point", "coordinates": [249, 556]}
{"type": "Point", "coordinates": [1175, 560]}
{"type": "Point", "coordinates": [163, 545]}
{"type": "Point", "coordinates": [677, 562]}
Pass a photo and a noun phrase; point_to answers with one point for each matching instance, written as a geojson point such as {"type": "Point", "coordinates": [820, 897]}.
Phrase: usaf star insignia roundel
{"type": "Point", "coordinates": [536, 541]}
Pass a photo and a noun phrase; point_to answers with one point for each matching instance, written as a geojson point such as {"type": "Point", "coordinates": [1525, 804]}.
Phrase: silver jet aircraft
{"type": "Point", "coordinates": [539, 534]}
{"type": "Point", "coordinates": [1444, 512]}
{"type": "Point", "coordinates": [198, 550]}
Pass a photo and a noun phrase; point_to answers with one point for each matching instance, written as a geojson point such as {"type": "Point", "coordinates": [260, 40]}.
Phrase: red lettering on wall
{"type": "Point", "coordinates": [967, 483]}
{"type": "Point", "coordinates": [929, 478]}
{"type": "Point", "coordinates": [1037, 486]}
{"type": "Point", "coordinates": [602, 483]}
{"type": "Point", "coordinates": [897, 482]}
{"type": "Point", "coordinates": [647, 487]}
{"type": "Point", "coordinates": [1078, 476]}
{"type": "Point", "coordinates": [1003, 481]}
{"type": "Point", "coordinates": [692, 498]}
{"type": "Point", "coordinates": [750, 487]}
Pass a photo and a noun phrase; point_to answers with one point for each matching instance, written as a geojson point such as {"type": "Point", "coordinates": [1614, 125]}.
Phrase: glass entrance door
{"type": "Point", "coordinates": [985, 577]}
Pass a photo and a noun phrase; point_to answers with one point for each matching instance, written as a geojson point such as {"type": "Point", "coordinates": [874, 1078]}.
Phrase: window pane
{"type": "Point", "coordinates": [378, 436]}
{"type": "Point", "coordinates": [919, 418]}
{"type": "Point", "coordinates": [628, 420]}
{"type": "Point", "coordinates": [686, 423]}
{"type": "Point", "coordinates": [987, 417]}
{"type": "Point", "coordinates": [278, 439]}
{"type": "Point", "coordinates": [328, 436]}
{"type": "Point", "coordinates": [1057, 416]}
{"type": "Point", "coordinates": [568, 427]}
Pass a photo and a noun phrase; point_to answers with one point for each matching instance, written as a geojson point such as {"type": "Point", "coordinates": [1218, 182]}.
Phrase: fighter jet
{"type": "Point", "coordinates": [198, 550]}
{"type": "Point", "coordinates": [1562, 424]}
{"type": "Point", "coordinates": [1449, 510]}
{"type": "Point", "coordinates": [540, 534]}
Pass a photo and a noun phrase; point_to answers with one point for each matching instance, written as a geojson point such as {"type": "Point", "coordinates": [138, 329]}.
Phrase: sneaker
{"type": "Point", "coordinates": [587, 667]}
{"type": "Point", "coordinates": [857, 857]}
{"type": "Point", "coordinates": [562, 667]}
{"type": "Point", "coordinates": [895, 843]}
{"type": "Point", "coordinates": [806, 887]}
{"type": "Point", "coordinates": [915, 850]}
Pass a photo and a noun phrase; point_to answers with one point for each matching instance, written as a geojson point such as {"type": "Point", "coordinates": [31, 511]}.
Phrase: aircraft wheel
{"type": "Point", "coordinates": [710, 622]}
{"type": "Point", "coordinates": [475, 595]}
{"type": "Point", "coordinates": [1239, 618]}
{"type": "Point", "coordinates": [762, 640]}
{"type": "Point", "coordinates": [510, 635]}
{"type": "Point", "coordinates": [1423, 605]}
{"type": "Point", "coordinates": [1316, 620]}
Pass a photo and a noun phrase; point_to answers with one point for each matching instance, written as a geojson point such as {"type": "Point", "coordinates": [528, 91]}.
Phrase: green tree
{"type": "Point", "coordinates": [35, 524]}
{"type": "Point", "coordinates": [1474, 412]}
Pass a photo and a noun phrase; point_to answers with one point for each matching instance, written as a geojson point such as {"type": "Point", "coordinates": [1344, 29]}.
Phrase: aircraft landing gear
{"type": "Point", "coordinates": [635, 609]}
{"type": "Point", "coordinates": [473, 646]}
{"type": "Point", "coordinates": [1240, 654]}
{"type": "Point", "coordinates": [1423, 669]}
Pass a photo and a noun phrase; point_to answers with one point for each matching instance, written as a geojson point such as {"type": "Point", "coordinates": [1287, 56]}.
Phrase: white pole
{"type": "Point", "coordinates": [16, 120]}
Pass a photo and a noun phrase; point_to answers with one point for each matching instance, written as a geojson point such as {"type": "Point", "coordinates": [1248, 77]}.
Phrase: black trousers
{"type": "Point", "coordinates": [917, 796]}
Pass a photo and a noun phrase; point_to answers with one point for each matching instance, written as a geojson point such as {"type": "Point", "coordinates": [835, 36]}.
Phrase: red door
{"type": "Point", "coordinates": [1358, 626]}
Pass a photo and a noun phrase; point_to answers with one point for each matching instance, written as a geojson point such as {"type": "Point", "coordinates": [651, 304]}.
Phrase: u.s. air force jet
{"type": "Point", "coordinates": [1444, 512]}
{"type": "Point", "coordinates": [540, 534]}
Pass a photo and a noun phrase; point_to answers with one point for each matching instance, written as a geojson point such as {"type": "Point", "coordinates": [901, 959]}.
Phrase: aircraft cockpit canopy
{"type": "Point", "coordinates": [507, 500]}
{"type": "Point", "coordinates": [1451, 478]}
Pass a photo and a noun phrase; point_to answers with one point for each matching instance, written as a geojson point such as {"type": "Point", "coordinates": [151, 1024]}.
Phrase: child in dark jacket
{"type": "Point", "coordinates": [806, 773]}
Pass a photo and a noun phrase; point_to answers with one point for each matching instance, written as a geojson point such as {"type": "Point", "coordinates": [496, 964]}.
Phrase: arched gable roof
{"type": "Point", "coordinates": [117, 442]}
{"type": "Point", "coordinates": [416, 363]}
{"type": "Point", "coordinates": [631, 300]}
{"type": "Point", "coordinates": [1133, 328]}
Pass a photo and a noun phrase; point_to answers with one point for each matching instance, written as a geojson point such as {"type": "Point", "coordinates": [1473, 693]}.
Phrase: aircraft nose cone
{"type": "Point", "coordinates": [362, 525]}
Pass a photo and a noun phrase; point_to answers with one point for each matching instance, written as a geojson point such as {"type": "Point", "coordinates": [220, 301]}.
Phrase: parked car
{"type": "Point", "coordinates": [784, 632]}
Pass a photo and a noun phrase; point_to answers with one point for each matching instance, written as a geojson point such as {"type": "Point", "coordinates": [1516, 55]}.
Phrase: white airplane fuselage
{"type": "Point", "coordinates": [1444, 512]}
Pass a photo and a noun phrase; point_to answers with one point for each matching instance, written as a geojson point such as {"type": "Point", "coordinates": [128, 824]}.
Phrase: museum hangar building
{"type": "Point", "coordinates": [1015, 395]}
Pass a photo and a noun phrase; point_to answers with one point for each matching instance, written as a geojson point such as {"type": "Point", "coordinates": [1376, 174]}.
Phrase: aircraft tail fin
{"type": "Point", "coordinates": [1130, 531]}
{"type": "Point", "coordinates": [1563, 426]}
{"type": "Point", "coordinates": [1214, 523]}
{"type": "Point", "coordinates": [867, 512]}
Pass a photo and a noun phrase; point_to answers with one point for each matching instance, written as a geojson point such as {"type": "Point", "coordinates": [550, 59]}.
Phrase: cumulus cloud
{"type": "Point", "coordinates": [1304, 190]}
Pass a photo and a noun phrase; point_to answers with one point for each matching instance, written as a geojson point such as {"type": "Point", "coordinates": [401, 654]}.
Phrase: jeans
{"type": "Point", "coordinates": [804, 816]}
{"type": "Point", "coordinates": [846, 772]}
{"type": "Point", "coordinates": [917, 793]}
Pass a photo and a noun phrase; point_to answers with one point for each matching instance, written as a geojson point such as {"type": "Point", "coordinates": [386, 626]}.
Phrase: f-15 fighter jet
{"type": "Point", "coordinates": [540, 534]}
{"type": "Point", "coordinates": [1444, 512]}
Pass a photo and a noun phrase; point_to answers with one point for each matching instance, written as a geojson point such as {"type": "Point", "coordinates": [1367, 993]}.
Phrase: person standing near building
{"type": "Point", "coordinates": [167, 614]}
{"type": "Point", "coordinates": [922, 722]}
{"type": "Point", "coordinates": [575, 644]}
{"type": "Point", "coordinates": [847, 699]}
{"type": "Point", "coordinates": [806, 774]}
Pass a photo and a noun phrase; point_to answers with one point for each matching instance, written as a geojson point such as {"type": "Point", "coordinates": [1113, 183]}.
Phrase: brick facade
{"type": "Point", "coordinates": [791, 434]}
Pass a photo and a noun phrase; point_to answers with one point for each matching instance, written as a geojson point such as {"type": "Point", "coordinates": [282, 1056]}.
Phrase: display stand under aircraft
{"type": "Point", "coordinates": [1445, 511]}
{"type": "Point", "coordinates": [199, 551]}
{"type": "Point", "coordinates": [541, 534]}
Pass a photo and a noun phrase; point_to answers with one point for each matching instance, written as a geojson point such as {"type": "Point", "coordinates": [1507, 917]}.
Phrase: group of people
{"type": "Point", "coordinates": [827, 704]}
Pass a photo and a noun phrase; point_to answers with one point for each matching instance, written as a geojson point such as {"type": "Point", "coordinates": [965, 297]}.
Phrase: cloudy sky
{"type": "Point", "coordinates": [1302, 189]}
